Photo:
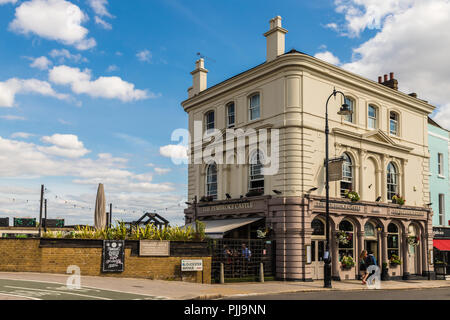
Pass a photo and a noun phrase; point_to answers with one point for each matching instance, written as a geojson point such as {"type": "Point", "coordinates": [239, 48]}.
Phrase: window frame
{"type": "Point", "coordinates": [391, 235]}
{"type": "Point", "coordinates": [440, 164]}
{"type": "Point", "coordinates": [395, 184]}
{"type": "Point", "coordinates": [397, 124]}
{"type": "Point", "coordinates": [347, 179]}
{"type": "Point", "coordinates": [206, 119]}
{"type": "Point", "coordinates": [250, 108]}
{"type": "Point", "coordinates": [259, 177]}
{"type": "Point", "coordinates": [369, 118]}
{"type": "Point", "coordinates": [441, 216]}
{"type": "Point", "coordinates": [208, 182]}
{"type": "Point", "coordinates": [351, 107]}
{"type": "Point", "coordinates": [351, 249]}
{"type": "Point", "coordinates": [227, 111]}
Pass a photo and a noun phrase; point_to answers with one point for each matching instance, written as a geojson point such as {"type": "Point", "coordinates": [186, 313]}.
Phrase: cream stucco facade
{"type": "Point", "coordinates": [293, 89]}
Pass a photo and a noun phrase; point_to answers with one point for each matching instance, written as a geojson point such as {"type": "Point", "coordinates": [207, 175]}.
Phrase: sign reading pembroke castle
{"type": "Point", "coordinates": [228, 206]}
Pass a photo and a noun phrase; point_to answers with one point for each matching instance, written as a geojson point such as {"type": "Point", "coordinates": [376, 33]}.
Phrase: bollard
{"type": "Point", "coordinates": [222, 273]}
{"type": "Point", "coordinates": [261, 272]}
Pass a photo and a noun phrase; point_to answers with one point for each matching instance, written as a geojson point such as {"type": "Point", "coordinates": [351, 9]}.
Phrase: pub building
{"type": "Point", "coordinates": [383, 167]}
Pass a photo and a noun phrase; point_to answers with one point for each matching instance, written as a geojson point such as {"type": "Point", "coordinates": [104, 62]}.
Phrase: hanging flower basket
{"type": "Point", "coordinates": [352, 195]}
{"type": "Point", "coordinates": [413, 240]}
{"type": "Point", "coordinates": [344, 237]}
{"type": "Point", "coordinates": [395, 260]}
{"type": "Point", "coordinates": [347, 262]}
{"type": "Point", "coordinates": [398, 200]}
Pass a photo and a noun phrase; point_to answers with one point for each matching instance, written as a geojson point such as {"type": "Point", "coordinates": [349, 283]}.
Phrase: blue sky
{"type": "Point", "coordinates": [90, 90]}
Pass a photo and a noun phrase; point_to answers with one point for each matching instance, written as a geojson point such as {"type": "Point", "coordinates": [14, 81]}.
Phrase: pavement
{"type": "Point", "coordinates": [20, 285]}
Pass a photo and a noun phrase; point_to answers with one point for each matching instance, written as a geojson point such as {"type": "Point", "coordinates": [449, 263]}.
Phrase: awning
{"type": "Point", "coordinates": [217, 228]}
{"type": "Point", "coordinates": [443, 245]}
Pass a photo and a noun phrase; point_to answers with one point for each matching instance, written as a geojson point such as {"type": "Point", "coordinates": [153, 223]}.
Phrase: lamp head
{"type": "Point", "coordinates": [345, 110]}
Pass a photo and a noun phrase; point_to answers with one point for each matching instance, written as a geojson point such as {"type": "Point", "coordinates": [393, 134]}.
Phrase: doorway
{"type": "Point", "coordinates": [372, 247]}
{"type": "Point", "coordinates": [412, 251]}
{"type": "Point", "coordinates": [317, 264]}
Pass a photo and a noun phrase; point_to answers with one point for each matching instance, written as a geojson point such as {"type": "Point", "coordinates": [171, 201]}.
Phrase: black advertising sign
{"type": "Point", "coordinates": [113, 257]}
{"type": "Point", "coordinates": [25, 222]}
{"type": "Point", "coordinates": [440, 232]}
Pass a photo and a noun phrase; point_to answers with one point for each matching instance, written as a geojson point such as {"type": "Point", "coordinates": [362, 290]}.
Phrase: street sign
{"type": "Point", "coordinates": [191, 265]}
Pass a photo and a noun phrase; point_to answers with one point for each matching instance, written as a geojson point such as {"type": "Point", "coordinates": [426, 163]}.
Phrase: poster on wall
{"type": "Point", "coordinates": [113, 257]}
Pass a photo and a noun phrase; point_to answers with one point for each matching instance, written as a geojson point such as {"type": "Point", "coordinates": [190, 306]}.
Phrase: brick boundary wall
{"type": "Point", "coordinates": [55, 255]}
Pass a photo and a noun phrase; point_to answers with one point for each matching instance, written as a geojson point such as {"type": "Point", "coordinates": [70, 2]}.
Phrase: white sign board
{"type": "Point", "coordinates": [154, 248]}
{"type": "Point", "coordinates": [191, 265]}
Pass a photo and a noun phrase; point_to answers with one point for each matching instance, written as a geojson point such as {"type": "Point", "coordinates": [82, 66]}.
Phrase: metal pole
{"type": "Point", "coordinates": [327, 260]}
{"type": "Point", "coordinates": [195, 213]}
{"type": "Point", "coordinates": [110, 215]}
{"type": "Point", "coordinates": [45, 219]}
{"type": "Point", "coordinates": [40, 210]}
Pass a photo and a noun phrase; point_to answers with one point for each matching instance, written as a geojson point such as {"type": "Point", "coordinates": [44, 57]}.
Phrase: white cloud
{"type": "Point", "coordinates": [11, 87]}
{"type": "Point", "coordinates": [144, 55]}
{"type": "Point", "coordinates": [174, 151]}
{"type": "Point", "coordinates": [7, 1]}
{"type": "Point", "coordinates": [103, 23]}
{"type": "Point", "coordinates": [103, 87]}
{"type": "Point", "coordinates": [112, 68]}
{"type": "Point", "coordinates": [411, 43]}
{"type": "Point", "coordinates": [58, 20]}
{"type": "Point", "coordinates": [99, 7]}
{"type": "Point", "coordinates": [327, 56]}
{"type": "Point", "coordinates": [64, 54]}
{"type": "Point", "coordinates": [162, 170]}
{"type": "Point", "coordinates": [41, 63]}
{"type": "Point", "coordinates": [23, 135]}
{"type": "Point", "coordinates": [64, 145]}
{"type": "Point", "coordinates": [12, 117]}
{"type": "Point", "coordinates": [442, 116]}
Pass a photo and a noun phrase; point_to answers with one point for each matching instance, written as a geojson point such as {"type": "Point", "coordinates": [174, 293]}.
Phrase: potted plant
{"type": "Point", "coordinates": [352, 195]}
{"type": "Point", "coordinates": [347, 262]}
{"type": "Point", "coordinates": [395, 260]}
{"type": "Point", "coordinates": [398, 200]}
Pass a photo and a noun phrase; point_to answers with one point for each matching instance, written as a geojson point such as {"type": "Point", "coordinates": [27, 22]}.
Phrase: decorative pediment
{"type": "Point", "coordinates": [375, 136]}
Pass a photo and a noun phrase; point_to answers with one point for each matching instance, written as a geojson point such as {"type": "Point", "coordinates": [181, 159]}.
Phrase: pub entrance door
{"type": "Point", "coordinates": [317, 264]}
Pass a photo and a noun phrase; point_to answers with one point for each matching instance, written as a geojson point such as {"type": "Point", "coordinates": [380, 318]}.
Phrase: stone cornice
{"type": "Point", "coordinates": [305, 62]}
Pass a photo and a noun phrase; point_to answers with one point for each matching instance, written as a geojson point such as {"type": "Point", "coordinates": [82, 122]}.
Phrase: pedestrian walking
{"type": "Point", "coordinates": [363, 266]}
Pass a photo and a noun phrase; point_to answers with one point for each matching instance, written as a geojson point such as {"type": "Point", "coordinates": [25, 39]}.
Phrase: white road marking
{"type": "Point", "coordinates": [6, 293]}
{"type": "Point", "coordinates": [58, 292]}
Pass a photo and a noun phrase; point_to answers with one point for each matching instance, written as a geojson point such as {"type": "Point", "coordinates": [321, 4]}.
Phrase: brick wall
{"type": "Point", "coordinates": [26, 255]}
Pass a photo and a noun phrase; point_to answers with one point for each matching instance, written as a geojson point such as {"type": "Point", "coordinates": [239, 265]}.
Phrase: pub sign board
{"type": "Point", "coordinates": [113, 257]}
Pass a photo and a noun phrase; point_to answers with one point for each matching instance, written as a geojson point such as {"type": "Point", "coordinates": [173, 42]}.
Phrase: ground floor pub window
{"type": "Point", "coordinates": [393, 242]}
{"type": "Point", "coordinates": [345, 239]}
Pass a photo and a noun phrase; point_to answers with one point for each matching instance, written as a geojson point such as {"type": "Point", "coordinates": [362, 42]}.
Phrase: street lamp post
{"type": "Point", "coordinates": [345, 110]}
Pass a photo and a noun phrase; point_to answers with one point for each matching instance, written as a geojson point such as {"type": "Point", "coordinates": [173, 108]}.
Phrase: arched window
{"type": "Point", "coordinates": [254, 106]}
{"type": "Point", "coordinates": [318, 227]}
{"type": "Point", "coordinates": [230, 115]}
{"type": "Point", "coordinates": [392, 180]}
{"type": "Point", "coordinates": [372, 117]}
{"type": "Point", "coordinates": [393, 123]}
{"type": "Point", "coordinates": [211, 180]}
{"type": "Point", "coordinates": [347, 175]}
{"type": "Point", "coordinates": [346, 239]}
{"type": "Point", "coordinates": [393, 241]}
{"type": "Point", "coordinates": [351, 106]}
{"type": "Point", "coordinates": [369, 230]}
{"type": "Point", "coordinates": [209, 120]}
{"type": "Point", "coordinates": [256, 178]}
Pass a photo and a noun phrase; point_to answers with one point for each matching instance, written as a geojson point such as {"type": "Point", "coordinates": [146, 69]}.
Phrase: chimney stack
{"type": "Point", "coordinates": [391, 82]}
{"type": "Point", "coordinates": [199, 80]}
{"type": "Point", "coordinates": [380, 79]}
{"type": "Point", "coordinates": [275, 39]}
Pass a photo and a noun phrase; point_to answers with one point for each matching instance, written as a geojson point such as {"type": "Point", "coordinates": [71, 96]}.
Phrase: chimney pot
{"type": "Point", "coordinates": [380, 79]}
{"type": "Point", "coordinates": [199, 78]}
{"type": "Point", "coordinates": [391, 75]}
{"type": "Point", "coordinates": [275, 39]}
{"type": "Point", "coordinates": [385, 77]}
